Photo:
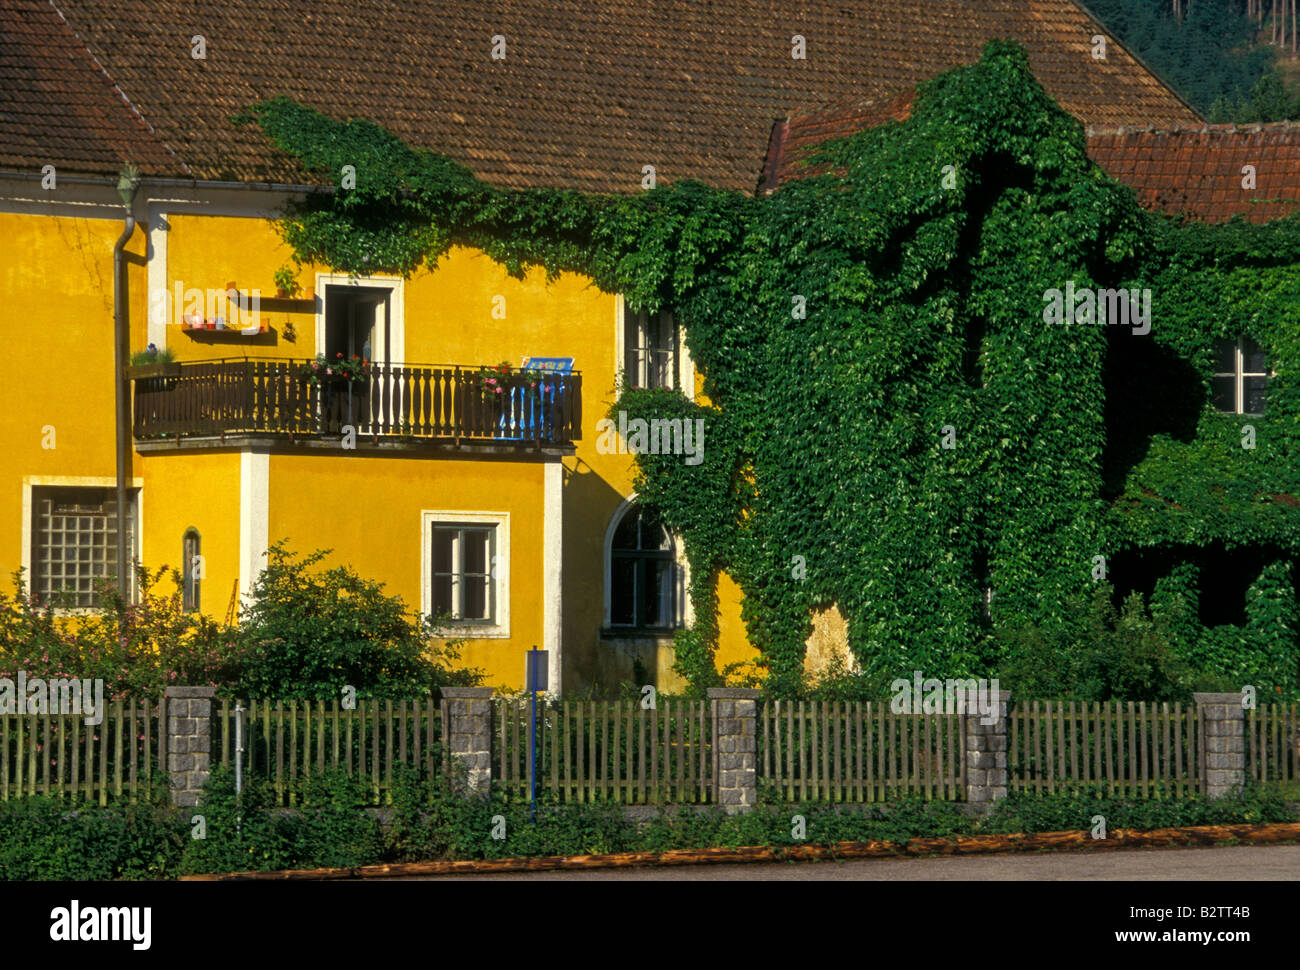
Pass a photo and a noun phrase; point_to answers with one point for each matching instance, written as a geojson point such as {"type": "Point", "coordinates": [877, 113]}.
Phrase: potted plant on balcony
{"type": "Point", "coordinates": [153, 362]}
{"type": "Point", "coordinates": [340, 370]}
{"type": "Point", "coordinates": [497, 381]}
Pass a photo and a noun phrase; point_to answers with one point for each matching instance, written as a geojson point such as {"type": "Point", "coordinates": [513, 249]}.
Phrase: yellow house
{"type": "Point", "coordinates": [498, 509]}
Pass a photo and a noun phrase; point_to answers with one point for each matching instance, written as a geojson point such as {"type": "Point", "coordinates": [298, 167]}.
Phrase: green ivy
{"type": "Point", "coordinates": [922, 257]}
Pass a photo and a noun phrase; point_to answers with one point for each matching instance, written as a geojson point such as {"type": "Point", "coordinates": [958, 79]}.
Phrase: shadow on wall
{"type": "Point", "coordinates": [1150, 391]}
{"type": "Point", "coordinates": [589, 504]}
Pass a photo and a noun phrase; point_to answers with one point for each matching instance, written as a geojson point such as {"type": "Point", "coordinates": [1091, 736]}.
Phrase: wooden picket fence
{"type": "Point", "coordinates": [1127, 747]}
{"type": "Point", "coordinates": [286, 742]}
{"type": "Point", "coordinates": [852, 751]}
{"type": "Point", "coordinates": [61, 755]}
{"type": "Point", "coordinates": [1273, 744]}
{"type": "Point", "coordinates": [607, 750]}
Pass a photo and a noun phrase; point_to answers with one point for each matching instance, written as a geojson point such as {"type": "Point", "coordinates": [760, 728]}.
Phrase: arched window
{"type": "Point", "coordinates": [642, 572]}
{"type": "Point", "coordinates": [192, 573]}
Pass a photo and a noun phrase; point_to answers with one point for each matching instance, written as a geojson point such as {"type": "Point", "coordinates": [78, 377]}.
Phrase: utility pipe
{"type": "Point", "coordinates": [126, 189]}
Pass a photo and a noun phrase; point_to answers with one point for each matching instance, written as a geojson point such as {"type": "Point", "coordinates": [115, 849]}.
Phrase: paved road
{"type": "Point", "coordinates": [1273, 862]}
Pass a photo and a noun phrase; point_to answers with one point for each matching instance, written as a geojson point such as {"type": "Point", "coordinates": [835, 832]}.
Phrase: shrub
{"type": "Point", "coordinates": [46, 838]}
{"type": "Point", "coordinates": [241, 833]}
{"type": "Point", "coordinates": [1100, 654]}
{"type": "Point", "coordinates": [310, 632]}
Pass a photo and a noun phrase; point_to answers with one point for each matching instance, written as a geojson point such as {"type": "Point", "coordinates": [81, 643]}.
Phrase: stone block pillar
{"type": "Point", "coordinates": [1223, 742]}
{"type": "Point", "coordinates": [467, 726]}
{"type": "Point", "coordinates": [735, 748]}
{"type": "Point", "coordinates": [986, 749]}
{"type": "Point", "coordinates": [189, 742]}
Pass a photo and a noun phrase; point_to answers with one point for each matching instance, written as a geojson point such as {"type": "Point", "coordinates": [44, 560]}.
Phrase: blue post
{"type": "Point", "coordinates": [535, 679]}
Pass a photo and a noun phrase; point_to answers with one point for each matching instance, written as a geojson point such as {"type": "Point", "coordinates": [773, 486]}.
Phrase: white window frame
{"type": "Point", "coordinates": [396, 308]}
{"type": "Point", "coordinates": [1239, 375]}
{"type": "Point", "coordinates": [683, 375]}
{"type": "Point", "coordinates": [684, 612]}
{"type": "Point", "coordinates": [499, 567]}
{"type": "Point", "coordinates": [28, 551]}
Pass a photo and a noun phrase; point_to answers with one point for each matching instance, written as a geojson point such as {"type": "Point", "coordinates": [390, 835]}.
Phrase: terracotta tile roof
{"type": "Point", "coordinates": [588, 92]}
{"type": "Point", "coordinates": [1198, 172]}
{"type": "Point", "coordinates": [58, 107]}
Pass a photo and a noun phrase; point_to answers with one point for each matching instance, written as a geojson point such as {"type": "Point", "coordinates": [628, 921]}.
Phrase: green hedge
{"type": "Point", "coordinates": [41, 839]}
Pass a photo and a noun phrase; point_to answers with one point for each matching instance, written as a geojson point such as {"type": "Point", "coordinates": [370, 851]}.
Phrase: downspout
{"type": "Point", "coordinates": [126, 189]}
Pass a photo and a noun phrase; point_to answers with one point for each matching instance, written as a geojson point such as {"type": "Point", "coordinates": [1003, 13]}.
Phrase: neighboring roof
{"type": "Point", "coordinates": [588, 93]}
{"type": "Point", "coordinates": [58, 107]}
{"type": "Point", "coordinates": [1199, 172]}
{"type": "Point", "coordinates": [795, 138]}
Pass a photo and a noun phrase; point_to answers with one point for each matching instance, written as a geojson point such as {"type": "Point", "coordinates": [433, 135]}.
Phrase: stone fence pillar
{"type": "Point", "coordinates": [189, 742]}
{"type": "Point", "coordinates": [735, 747]}
{"type": "Point", "coordinates": [986, 749]}
{"type": "Point", "coordinates": [1223, 742]}
{"type": "Point", "coordinates": [467, 728]}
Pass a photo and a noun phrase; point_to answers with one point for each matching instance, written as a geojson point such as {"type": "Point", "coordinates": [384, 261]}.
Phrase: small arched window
{"type": "Point", "coordinates": [643, 572]}
{"type": "Point", "coordinates": [192, 575]}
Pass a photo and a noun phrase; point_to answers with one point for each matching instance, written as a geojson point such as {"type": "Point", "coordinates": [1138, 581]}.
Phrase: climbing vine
{"type": "Point", "coordinates": [892, 425]}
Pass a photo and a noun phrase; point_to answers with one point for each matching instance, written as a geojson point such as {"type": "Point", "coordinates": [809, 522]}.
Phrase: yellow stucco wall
{"type": "Point", "coordinates": [733, 643]}
{"type": "Point", "coordinates": [368, 510]}
{"type": "Point", "coordinates": [199, 490]}
{"type": "Point", "coordinates": [56, 287]}
{"type": "Point", "coordinates": [57, 284]}
{"type": "Point", "coordinates": [207, 252]}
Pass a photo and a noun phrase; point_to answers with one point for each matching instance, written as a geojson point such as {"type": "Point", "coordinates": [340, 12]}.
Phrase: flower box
{"type": "Point", "coordinates": [141, 371]}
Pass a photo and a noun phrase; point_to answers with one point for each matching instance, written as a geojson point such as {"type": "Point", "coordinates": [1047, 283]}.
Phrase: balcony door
{"type": "Point", "coordinates": [358, 322]}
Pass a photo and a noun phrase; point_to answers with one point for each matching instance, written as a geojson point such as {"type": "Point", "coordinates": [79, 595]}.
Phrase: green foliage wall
{"type": "Point", "coordinates": [922, 262]}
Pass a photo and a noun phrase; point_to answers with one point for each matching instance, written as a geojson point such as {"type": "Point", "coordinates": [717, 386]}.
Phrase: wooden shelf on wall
{"type": "Point", "coordinates": [264, 334]}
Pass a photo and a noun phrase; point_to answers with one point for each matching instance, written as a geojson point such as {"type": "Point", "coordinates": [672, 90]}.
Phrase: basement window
{"type": "Point", "coordinates": [74, 543]}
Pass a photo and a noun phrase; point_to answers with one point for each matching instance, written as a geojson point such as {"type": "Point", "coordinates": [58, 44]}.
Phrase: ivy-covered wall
{"type": "Point", "coordinates": [894, 425]}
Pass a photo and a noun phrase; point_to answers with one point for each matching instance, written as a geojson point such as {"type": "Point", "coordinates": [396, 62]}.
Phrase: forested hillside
{"type": "Point", "coordinates": [1233, 60]}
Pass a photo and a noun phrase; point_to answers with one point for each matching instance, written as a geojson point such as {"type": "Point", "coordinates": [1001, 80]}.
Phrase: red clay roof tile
{"type": "Point", "coordinates": [587, 94]}
{"type": "Point", "coordinates": [58, 107]}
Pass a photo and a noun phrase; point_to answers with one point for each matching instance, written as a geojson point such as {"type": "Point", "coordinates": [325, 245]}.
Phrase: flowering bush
{"type": "Point", "coordinates": [352, 368]}
{"type": "Point", "coordinates": [137, 649]}
{"type": "Point", "coordinates": [305, 632]}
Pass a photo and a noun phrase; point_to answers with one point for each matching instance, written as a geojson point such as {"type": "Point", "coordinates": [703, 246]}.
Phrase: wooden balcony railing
{"type": "Point", "coordinates": [397, 402]}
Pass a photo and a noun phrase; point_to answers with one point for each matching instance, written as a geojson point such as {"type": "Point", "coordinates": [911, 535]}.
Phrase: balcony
{"type": "Point", "coordinates": [397, 405]}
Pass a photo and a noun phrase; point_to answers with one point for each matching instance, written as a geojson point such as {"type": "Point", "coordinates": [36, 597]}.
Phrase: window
{"type": "Point", "coordinates": [1241, 374]}
{"type": "Point", "coordinates": [466, 570]}
{"type": "Point", "coordinates": [643, 573]}
{"type": "Point", "coordinates": [74, 542]}
{"type": "Point", "coordinates": [192, 557]}
{"type": "Point", "coordinates": [650, 349]}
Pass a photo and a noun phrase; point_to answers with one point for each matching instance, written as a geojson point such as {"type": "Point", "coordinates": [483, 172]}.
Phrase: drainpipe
{"type": "Point", "coordinates": [126, 189]}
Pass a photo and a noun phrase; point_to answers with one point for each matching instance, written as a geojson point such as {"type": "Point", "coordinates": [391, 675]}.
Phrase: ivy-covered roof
{"type": "Point", "coordinates": [1208, 173]}
{"type": "Point", "coordinates": [586, 95]}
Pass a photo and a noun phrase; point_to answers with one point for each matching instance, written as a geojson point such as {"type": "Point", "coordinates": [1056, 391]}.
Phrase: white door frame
{"type": "Point", "coordinates": [396, 310]}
